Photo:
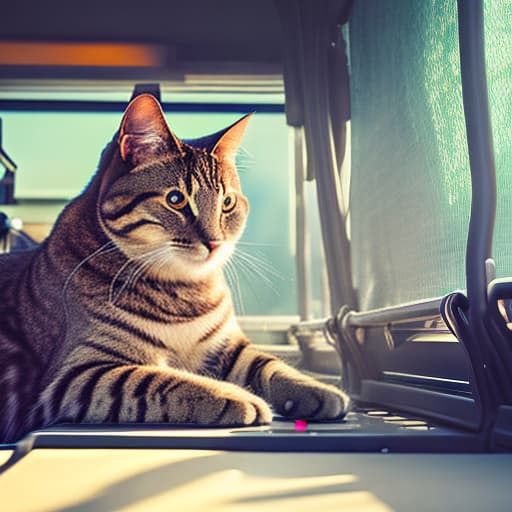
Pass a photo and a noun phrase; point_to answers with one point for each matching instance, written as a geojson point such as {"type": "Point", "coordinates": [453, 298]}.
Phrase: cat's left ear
{"type": "Point", "coordinates": [230, 139]}
{"type": "Point", "coordinates": [144, 133]}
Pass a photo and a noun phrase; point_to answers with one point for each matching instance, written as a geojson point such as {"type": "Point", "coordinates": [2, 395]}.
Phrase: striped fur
{"type": "Point", "coordinates": [123, 313]}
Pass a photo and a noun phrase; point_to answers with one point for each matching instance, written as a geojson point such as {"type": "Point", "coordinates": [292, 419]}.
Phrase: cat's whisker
{"type": "Point", "coordinates": [126, 283]}
{"type": "Point", "coordinates": [160, 263]}
{"type": "Point", "coordinates": [244, 153]}
{"type": "Point", "coordinates": [239, 294]}
{"type": "Point", "coordinates": [252, 269]}
{"type": "Point", "coordinates": [104, 249]}
{"type": "Point", "coordinates": [259, 262]}
{"type": "Point", "coordinates": [234, 285]}
{"type": "Point", "coordinates": [243, 168]}
{"type": "Point", "coordinates": [228, 273]}
{"type": "Point", "coordinates": [244, 150]}
{"type": "Point", "coordinates": [118, 274]}
{"type": "Point", "coordinates": [249, 278]}
{"type": "Point", "coordinates": [140, 263]}
{"type": "Point", "coordinates": [152, 257]}
{"type": "Point", "coordinates": [252, 275]}
{"type": "Point", "coordinates": [158, 258]}
{"type": "Point", "coordinates": [258, 244]}
{"type": "Point", "coordinates": [268, 272]}
{"type": "Point", "coordinates": [139, 269]}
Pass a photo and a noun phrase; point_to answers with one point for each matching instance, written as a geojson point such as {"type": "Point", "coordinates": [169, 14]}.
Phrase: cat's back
{"type": "Point", "coordinates": [28, 316]}
{"type": "Point", "coordinates": [15, 261]}
{"type": "Point", "coordinates": [12, 267]}
{"type": "Point", "coordinates": [20, 361]}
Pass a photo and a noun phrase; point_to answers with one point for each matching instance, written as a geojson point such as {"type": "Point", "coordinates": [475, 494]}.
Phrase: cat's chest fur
{"type": "Point", "coordinates": [185, 339]}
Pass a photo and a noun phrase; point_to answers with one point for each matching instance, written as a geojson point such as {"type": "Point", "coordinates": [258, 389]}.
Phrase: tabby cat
{"type": "Point", "coordinates": [123, 315]}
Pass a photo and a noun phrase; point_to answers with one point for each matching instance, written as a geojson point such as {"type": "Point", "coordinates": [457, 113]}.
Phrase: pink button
{"type": "Point", "coordinates": [300, 426]}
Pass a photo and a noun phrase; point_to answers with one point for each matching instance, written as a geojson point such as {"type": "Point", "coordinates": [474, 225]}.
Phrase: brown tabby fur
{"type": "Point", "coordinates": [123, 313]}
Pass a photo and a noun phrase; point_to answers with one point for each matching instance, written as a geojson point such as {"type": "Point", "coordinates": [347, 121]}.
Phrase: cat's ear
{"type": "Point", "coordinates": [226, 146]}
{"type": "Point", "coordinates": [144, 133]}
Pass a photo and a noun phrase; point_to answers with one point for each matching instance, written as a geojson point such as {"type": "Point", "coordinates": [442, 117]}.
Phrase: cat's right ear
{"type": "Point", "coordinates": [144, 133]}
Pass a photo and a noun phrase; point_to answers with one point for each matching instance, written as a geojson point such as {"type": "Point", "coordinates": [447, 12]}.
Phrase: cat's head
{"type": "Point", "coordinates": [177, 203]}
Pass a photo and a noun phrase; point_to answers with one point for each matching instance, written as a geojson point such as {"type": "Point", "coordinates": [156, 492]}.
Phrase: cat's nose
{"type": "Point", "coordinates": [213, 244]}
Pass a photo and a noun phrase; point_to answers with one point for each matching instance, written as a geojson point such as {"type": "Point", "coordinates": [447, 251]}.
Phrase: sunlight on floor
{"type": "Point", "coordinates": [141, 480]}
{"type": "Point", "coordinates": [236, 491]}
{"type": "Point", "coordinates": [4, 456]}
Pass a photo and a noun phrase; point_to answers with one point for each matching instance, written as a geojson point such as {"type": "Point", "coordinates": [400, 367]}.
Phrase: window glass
{"type": "Point", "coordinates": [57, 153]}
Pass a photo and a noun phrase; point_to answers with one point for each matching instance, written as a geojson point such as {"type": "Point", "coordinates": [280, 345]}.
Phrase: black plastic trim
{"type": "Point", "coordinates": [450, 409]}
{"type": "Point", "coordinates": [119, 106]}
{"type": "Point", "coordinates": [481, 155]}
{"type": "Point", "coordinates": [439, 384]}
{"type": "Point", "coordinates": [483, 199]}
{"type": "Point", "coordinates": [359, 432]}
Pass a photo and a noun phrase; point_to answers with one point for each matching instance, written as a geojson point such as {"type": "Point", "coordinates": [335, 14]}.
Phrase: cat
{"type": "Point", "coordinates": [123, 314]}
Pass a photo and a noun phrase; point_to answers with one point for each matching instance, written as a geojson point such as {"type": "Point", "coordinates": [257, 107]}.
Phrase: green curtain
{"type": "Point", "coordinates": [410, 181]}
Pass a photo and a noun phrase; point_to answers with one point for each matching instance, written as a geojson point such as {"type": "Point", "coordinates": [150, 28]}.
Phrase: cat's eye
{"type": "Point", "coordinates": [228, 203]}
{"type": "Point", "coordinates": [176, 199]}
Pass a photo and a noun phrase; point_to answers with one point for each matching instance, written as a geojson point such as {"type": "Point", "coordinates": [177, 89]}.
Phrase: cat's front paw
{"type": "Point", "coordinates": [306, 398]}
{"type": "Point", "coordinates": [246, 412]}
{"type": "Point", "coordinates": [240, 407]}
